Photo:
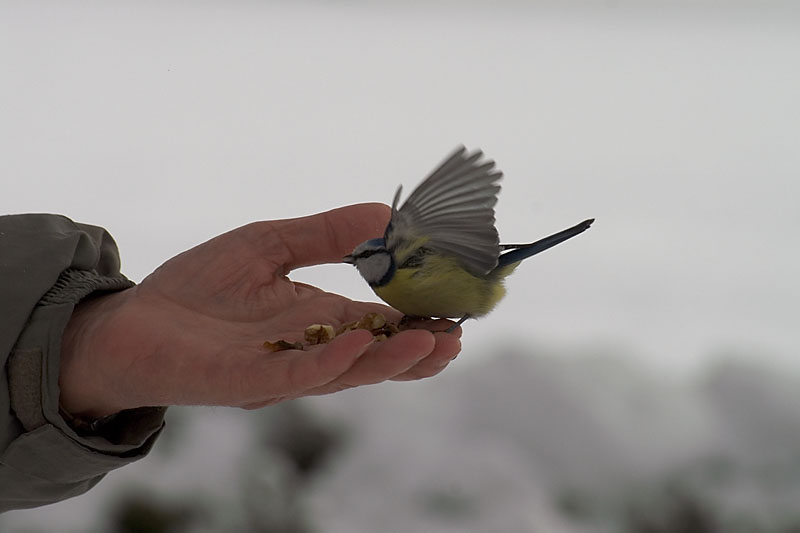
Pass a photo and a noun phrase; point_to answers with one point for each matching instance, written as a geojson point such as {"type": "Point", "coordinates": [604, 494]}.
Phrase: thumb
{"type": "Point", "coordinates": [321, 238]}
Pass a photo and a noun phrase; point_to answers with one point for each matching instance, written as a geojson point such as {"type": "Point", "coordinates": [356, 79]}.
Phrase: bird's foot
{"type": "Point", "coordinates": [454, 326]}
{"type": "Point", "coordinates": [407, 320]}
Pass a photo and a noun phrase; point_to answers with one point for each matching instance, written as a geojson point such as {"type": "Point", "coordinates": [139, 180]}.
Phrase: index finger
{"type": "Point", "coordinates": [324, 237]}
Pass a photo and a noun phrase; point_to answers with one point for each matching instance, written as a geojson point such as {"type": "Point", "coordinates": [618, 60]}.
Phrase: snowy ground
{"type": "Point", "coordinates": [547, 442]}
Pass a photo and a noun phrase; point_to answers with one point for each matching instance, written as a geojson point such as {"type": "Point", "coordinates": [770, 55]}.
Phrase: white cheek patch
{"type": "Point", "coordinates": [375, 267]}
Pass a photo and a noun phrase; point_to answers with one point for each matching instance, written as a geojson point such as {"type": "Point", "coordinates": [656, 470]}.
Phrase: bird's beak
{"type": "Point", "coordinates": [348, 259]}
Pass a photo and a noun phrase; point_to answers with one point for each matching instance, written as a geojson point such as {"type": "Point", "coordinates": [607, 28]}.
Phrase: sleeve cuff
{"type": "Point", "coordinates": [33, 381]}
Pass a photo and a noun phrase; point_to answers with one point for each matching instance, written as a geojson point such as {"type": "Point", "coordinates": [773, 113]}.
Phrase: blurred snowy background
{"type": "Point", "coordinates": [641, 378]}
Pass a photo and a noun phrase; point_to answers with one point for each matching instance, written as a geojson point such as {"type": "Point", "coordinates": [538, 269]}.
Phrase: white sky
{"type": "Point", "coordinates": [171, 122]}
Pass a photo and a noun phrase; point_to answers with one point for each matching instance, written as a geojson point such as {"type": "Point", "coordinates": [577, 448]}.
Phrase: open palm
{"type": "Point", "coordinates": [192, 332]}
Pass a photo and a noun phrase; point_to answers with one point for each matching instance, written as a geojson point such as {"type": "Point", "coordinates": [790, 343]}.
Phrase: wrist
{"type": "Point", "coordinates": [87, 392]}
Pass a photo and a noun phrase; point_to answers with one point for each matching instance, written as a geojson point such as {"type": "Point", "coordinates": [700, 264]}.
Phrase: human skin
{"type": "Point", "coordinates": [192, 332]}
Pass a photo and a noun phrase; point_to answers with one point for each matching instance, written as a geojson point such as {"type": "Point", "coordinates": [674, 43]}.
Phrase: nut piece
{"type": "Point", "coordinates": [281, 345]}
{"type": "Point", "coordinates": [319, 334]}
{"type": "Point", "coordinates": [346, 327]}
{"type": "Point", "coordinates": [371, 321]}
{"type": "Point", "coordinates": [375, 323]}
{"type": "Point", "coordinates": [390, 329]}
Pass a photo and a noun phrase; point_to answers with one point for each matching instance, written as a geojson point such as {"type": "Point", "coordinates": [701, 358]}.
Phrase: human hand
{"type": "Point", "coordinates": [192, 331]}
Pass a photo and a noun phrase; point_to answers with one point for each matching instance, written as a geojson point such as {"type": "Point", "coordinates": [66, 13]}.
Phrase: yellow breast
{"type": "Point", "coordinates": [441, 288]}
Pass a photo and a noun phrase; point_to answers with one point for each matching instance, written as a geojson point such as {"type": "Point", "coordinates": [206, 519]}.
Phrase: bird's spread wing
{"type": "Point", "coordinates": [452, 210]}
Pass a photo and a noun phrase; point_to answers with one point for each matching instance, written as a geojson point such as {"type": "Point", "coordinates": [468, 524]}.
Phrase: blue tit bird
{"type": "Point", "coordinates": [440, 255]}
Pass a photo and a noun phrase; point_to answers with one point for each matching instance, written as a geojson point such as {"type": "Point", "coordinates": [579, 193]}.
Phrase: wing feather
{"type": "Point", "coordinates": [453, 208]}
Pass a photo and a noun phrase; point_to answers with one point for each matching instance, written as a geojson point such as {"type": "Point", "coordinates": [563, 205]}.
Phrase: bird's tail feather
{"type": "Point", "coordinates": [523, 251]}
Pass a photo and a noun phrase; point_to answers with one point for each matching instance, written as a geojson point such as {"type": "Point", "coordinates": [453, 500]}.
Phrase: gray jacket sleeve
{"type": "Point", "coordinates": [47, 265]}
